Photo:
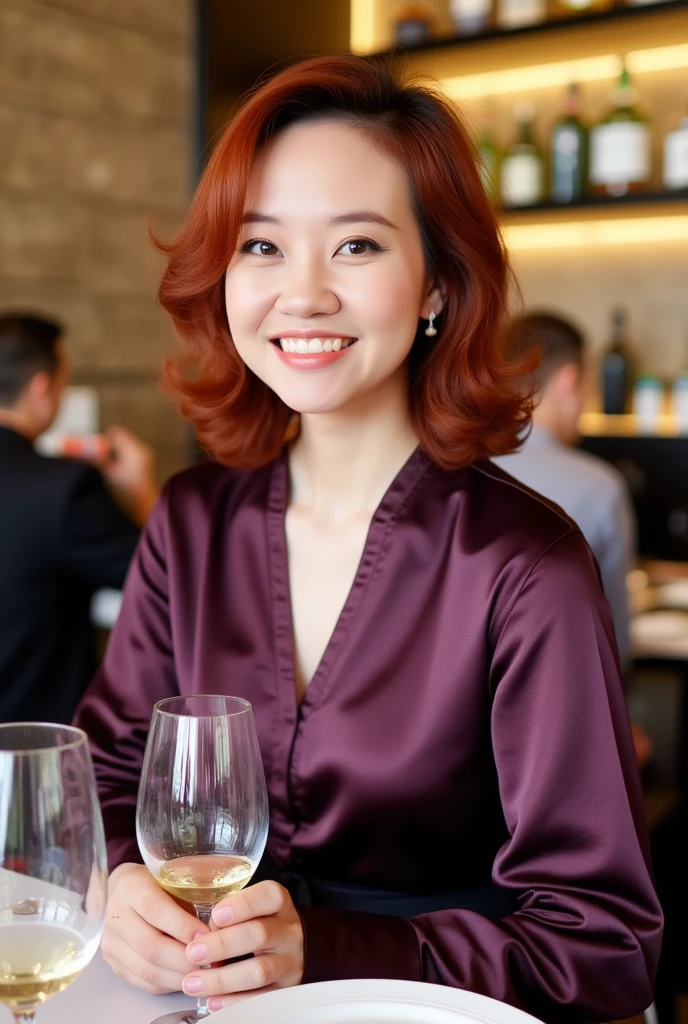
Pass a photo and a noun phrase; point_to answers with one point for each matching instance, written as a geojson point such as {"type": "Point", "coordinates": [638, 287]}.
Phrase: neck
{"type": "Point", "coordinates": [21, 424]}
{"type": "Point", "coordinates": [547, 419]}
{"type": "Point", "coordinates": [342, 463]}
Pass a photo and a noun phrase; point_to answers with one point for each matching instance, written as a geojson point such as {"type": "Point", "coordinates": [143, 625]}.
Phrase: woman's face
{"type": "Point", "coordinates": [328, 281]}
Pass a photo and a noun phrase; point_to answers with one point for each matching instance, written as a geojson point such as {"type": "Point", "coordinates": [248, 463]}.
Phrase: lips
{"type": "Point", "coordinates": [312, 353]}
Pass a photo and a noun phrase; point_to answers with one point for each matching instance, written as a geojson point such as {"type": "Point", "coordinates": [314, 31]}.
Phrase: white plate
{"type": "Point", "coordinates": [370, 1001]}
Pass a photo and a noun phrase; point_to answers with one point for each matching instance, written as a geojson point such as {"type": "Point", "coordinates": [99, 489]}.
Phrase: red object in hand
{"type": "Point", "coordinates": [94, 447]}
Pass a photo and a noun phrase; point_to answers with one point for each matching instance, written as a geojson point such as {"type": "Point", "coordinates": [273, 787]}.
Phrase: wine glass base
{"type": "Point", "coordinates": [181, 1017]}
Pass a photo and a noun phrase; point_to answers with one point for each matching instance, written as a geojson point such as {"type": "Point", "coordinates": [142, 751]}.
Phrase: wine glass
{"type": "Point", "coordinates": [202, 812]}
{"type": "Point", "coordinates": [53, 875]}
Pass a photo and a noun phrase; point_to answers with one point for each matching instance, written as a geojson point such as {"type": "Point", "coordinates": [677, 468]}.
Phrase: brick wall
{"type": "Point", "coordinates": [95, 144]}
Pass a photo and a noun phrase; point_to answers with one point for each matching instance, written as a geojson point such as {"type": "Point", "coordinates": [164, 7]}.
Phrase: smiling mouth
{"type": "Point", "coordinates": [313, 346]}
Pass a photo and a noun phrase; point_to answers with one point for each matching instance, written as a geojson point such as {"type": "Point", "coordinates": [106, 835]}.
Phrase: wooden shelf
{"type": "Point", "coordinates": [617, 31]}
{"type": "Point", "coordinates": [641, 205]}
{"type": "Point", "coordinates": [615, 16]}
{"type": "Point", "coordinates": [597, 424]}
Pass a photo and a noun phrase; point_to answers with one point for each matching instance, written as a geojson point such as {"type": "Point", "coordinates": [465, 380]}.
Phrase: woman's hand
{"type": "Point", "coordinates": [147, 931]}
{"type": "Point", "coordinates": [261, 920]}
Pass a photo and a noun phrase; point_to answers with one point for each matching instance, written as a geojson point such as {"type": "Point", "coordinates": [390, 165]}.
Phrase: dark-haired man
{"type": "Point", "coordinates": [589, 490]}
{"type": "Point", "coordinates": [62, 536]}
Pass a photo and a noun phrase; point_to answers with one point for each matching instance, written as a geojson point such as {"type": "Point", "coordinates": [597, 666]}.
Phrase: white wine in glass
{"type": "Point", "coordinates": [53, 878]}
{"type": "Point", "coordinates": [202, 813]}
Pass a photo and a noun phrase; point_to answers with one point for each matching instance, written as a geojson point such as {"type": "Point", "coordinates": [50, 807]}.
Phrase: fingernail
{"type": "Point", "coordinates": [192, 986]}
{"type": "Point", "coordinates": [222, 915]}
{"type": "Point", "coordinates": [216, 1004]}
{"type": "Point", "coordinates": [199, 934]}
{"type": "Point", "coordinates": [197, 952]}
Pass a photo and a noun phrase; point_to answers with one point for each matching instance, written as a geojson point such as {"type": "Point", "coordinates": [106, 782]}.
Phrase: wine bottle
{"type": "Point", "coordinates": [620, 145]}
{"type": "Point", "coordinates": [675, 171]}
{"type": "Point", "coordinates": [413, 25]}
{"type": "Point", "coordinates": [565, 7]}
{"type": "Point", "coordinates": [616, 368]}
{"type": "Point", "coordinates": [522, 177]}
{"type": "Point", "coordinates": [470, 16]}
{"type": "Point", "coordinates": [648, 402]}
{"type": "Point", "coordinates": [569, 152]}
{"type": "Point", "coordinates": [517, 13]}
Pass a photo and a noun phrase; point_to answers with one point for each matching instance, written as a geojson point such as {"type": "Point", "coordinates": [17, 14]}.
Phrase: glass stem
{"type": "Point", "coordinates": [203, 913]}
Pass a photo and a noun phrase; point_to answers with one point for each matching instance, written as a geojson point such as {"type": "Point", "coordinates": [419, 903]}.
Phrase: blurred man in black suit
{"type": "Point", "coordinates": [62, 535]}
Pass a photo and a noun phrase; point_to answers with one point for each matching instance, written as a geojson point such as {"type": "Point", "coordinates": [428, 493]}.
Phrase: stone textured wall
{"type": "Point", "coordinates": [95, 145]}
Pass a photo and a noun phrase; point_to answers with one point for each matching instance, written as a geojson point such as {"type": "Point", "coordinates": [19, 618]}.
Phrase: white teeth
{"type": "Point", "coordinates": [314, 345]}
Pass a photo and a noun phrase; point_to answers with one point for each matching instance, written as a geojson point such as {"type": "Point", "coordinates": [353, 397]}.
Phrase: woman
{"type": "Point", "coordinates": [425, 643]}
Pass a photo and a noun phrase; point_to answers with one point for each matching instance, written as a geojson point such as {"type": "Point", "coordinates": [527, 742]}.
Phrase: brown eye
{"type": "Point", "coordinates": [260, 247]}
{"type": "Point", "coordinates": [357, 247]}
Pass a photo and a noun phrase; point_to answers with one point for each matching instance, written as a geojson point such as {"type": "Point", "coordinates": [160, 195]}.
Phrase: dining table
{"type": "Point", "coordinates": [99, 995]}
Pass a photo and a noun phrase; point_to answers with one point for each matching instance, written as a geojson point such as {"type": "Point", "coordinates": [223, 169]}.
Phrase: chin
{"type": "Point", "coordinates": [311, 405]}
{"type": "Point", "coordinates": [308, 396]}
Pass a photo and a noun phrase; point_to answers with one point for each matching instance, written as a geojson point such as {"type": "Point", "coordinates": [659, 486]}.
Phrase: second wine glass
{"type": "Point", "coordinates": [202, 813]}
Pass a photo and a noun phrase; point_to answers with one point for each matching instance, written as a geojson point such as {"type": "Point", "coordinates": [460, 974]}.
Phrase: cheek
{"type": "Point", "coordinates": [246, 301]}
{"type": "Point", "coordinates": [389, 298]}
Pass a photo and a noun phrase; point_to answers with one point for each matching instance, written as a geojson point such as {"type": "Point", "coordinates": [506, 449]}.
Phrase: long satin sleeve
{"type": "Point", "coordinates": [584, 940]}
{"type": "Point", "coordinates": [138, 670]}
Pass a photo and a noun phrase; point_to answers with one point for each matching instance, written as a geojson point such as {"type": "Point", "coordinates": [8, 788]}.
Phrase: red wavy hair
{"type": "Point", "coordinates": [464, 394]}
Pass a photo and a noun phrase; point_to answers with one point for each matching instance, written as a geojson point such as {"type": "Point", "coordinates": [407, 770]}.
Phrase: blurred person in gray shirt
{"type": "Point", "coordinates": [588, 489]}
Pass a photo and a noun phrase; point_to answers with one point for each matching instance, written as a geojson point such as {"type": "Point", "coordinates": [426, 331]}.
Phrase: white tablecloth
{"type": "Point", "coordinates": [100, 996]}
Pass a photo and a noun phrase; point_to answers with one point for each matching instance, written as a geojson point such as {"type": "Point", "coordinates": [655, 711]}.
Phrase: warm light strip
{"type": "Point", "coordinates": [548, 76]}
{"type": "Point", "coordinates": [576, 234]}
{"type": "Point", "coordinates": [362, 26]}
{"type": "Point", "coordinates": [660, 58]}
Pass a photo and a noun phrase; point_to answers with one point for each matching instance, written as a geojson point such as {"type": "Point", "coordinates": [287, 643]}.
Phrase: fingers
{"type": "Point", "coordinates": [263, 933]}
{"type": "Point", "coordinates": [265, 923]}
{"type": "Point", "coordinates": [216, 1003]}
{"type": "Point", "coordinates": [156, 907]}
{"type": "Point", "coordinates": [127, 964]}
{"type": "Point", "coordinates": [152, 945]}
{"type": "Point", "coordinates": [146, 932]}
{"type": "Point", "coordinates": [257, 973]}
{"type": "Point", "coordinates": [259, 900]}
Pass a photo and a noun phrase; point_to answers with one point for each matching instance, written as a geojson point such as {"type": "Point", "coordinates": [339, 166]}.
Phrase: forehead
{"type": "Point", "coordinates": [327, 168]}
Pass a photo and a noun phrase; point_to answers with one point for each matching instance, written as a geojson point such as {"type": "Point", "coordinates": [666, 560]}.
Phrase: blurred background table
{"type": "Point", "coordinates": [100, 995]}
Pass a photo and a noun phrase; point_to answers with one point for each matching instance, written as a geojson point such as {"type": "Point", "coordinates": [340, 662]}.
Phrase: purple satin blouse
{"type": "Point", "coordinates": [466, 724]}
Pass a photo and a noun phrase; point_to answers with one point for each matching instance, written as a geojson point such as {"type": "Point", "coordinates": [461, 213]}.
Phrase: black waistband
{"type": "Point", "coordinates": [491, 901]}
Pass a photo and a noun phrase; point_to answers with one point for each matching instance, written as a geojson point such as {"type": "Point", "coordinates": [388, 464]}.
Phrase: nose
{"type": "Point", "coordinates": [306, 290]}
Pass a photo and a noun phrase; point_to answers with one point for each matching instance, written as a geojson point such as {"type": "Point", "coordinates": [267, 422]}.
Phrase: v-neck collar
{"type": "Point", "coordinates": [391, 504]}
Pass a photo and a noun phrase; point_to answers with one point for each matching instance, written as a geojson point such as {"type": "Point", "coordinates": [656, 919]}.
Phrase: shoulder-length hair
{"type": "Point", "coordinates": [465, 396]}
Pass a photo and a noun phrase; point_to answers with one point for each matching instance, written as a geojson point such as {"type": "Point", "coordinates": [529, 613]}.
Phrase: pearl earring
{"type": "Point", "coordinates": [430, 330]}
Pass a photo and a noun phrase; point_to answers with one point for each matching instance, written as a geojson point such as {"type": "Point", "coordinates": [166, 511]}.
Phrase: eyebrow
{"type": "Point", "coordinates": [356, 217]}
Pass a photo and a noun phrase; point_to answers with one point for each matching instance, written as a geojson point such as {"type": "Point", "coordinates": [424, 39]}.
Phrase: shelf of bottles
{"type": "Point", "coordinates": [579, 108]}
{"type": "Point", "coordinates": [440, 25]}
